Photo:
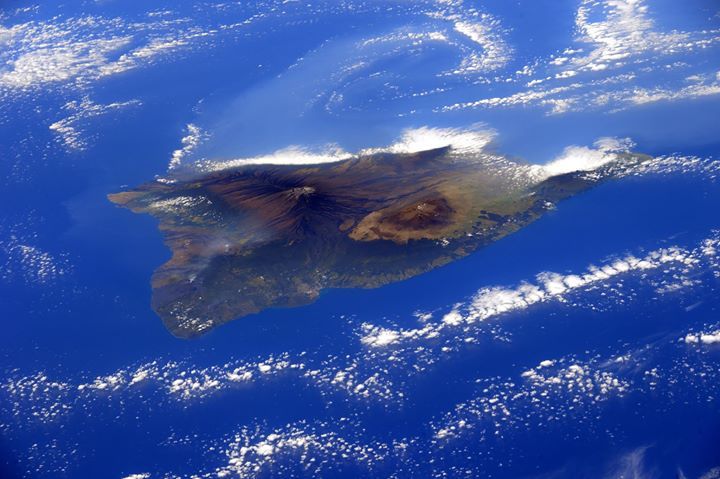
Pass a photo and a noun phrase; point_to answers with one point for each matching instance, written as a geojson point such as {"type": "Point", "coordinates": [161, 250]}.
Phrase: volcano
{"type": "Point", "coordinates": [262, 236]}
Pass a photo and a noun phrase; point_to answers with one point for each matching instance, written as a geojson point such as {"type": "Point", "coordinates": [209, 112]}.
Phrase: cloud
{"type": "Point", "coordinates": [630, 465]}
{"type": "Point", "coordinates": [620, 32]}
{"type": "Point", "coordinates": [254, 454]}
{"type": "Point", "coordinates": [478, 37]}
{"type": "Point", "coordinates": [569, 391]}
{"type": "Point", "coordinates": [528, 97]}
{"type": "Point", "coordinates": [565, 390]}
{"type": "Point", "coordinates": [291, 155]}
{"type": "Point", "coordinates": [642, 96]}
{"type": "Point", "coordinates": [713, 473]}
{"type": "Point", "coordinates": [60, 62]}
{"type": "Point", "coordinates": [190, 142]}
{"type": "Point", "coordinates": [487, 32]}
{"type": "Point", "coordinates": [475, 29]}
{"type": "Point", "coordinates": [19, 258]}
{"type": "Point", "coordinates": [493, 301]}
{"type": "Point", "coordinates": [412, 140]}
{"type": "Point", "coordinates": [620, 60]}
{"type": "Point", "coordinates": [622, 29]}
{"type": "Point", "coordinates": [603, 94]}
{"type": "Point", "coordinates": [70, 129]}
{"type": "Point", "coordinates": [76, 51]}
{"type": "Point", "coordinates": [581, 158]}
{"type": "Point", "coordinates": [710, 337]}
{"type": "Point", "coordinates": [578, 158]}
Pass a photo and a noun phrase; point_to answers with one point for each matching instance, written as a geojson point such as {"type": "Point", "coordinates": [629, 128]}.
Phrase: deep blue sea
{"type": "Point", "coordinates": [614, 373]}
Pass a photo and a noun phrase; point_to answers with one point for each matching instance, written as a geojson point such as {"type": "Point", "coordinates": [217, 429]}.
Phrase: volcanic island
{"type": "Point", "coordinates": [261, 236]}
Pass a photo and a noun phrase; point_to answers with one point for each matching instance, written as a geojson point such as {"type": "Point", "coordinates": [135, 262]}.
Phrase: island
{"type": "Point", "coordinates": [264, 236]}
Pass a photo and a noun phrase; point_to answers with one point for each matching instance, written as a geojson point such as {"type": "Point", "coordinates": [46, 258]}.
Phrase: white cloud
{"type": "Point", "coordinates": [412, 140]}
{"type": "Point", "coordinates": [479, 37]}
{"type": "Point", "coordinates": [79, 50]}
{"type": "Point", "coordinates": [621, 61]}
{"type": "Point", "coordinates": [641, 96]}
{"type": "Point", "coordinates": [713, 473]}
{"type": "Point", "coordinates": [528, 97]}
{"type": "Point", "coordinates": [179, 205]}
{"type": "Point", "coordinates": [70, 129]}
{"type": "Point", "coordinates": [618, 31]}
{"type": "Point", "coordinates": [291, 155]}
{"type": "Point", "coordinates": [577, 378]}
{"type": "Point", "coordinates": [411, 37]}
{"type": "Point", "coordinates": [59, 62]}
{"type": "Point", "coordinates": [425, 138]}
{"type": "Point", "coordinates": [253, 454]}
{"type": "Point", "coordinates": [190, 142]}
{"type": "Point", "coordinates": [581, 158]}
{"type": "Point", "coordinates": [493, 301]}
{"type": "Point", "coordinates": [578, 158]}
{"type": "Point", "coordinates": [381, 337]}
{"type": "Point", "coordinates": [614, 145]}
{"type": "Point", "coordinates": [595, 95]}
{"type": "Point", "coordinates": [486, 31]}
{"type": "Point", "coordinates": [712, 337]}
{"type": "Point", "coordinates": [19, 258]}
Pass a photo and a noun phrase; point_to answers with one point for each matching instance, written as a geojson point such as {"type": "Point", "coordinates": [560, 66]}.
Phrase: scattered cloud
{"type": "Point", "coordinates": [494, 301]}
{"type": "Point", "coordinates": [76, 51]}
{"type": "Point", "coordinates": [19, 258]}
{"type": "Point", "coordinates": [620, 60]}
{"type": "Point", "coordinates": [70, 129]}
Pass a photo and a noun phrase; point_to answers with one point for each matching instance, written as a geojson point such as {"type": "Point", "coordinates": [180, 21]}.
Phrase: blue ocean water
{"type": "Point", "coordinates": [615, 377]}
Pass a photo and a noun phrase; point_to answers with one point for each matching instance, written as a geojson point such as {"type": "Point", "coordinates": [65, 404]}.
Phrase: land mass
{"type": "Point", "coordinates": [262, 236]}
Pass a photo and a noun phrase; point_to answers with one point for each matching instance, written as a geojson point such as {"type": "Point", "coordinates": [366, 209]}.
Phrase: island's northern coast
{"type": "Point", "coordinates": [262, 236]}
